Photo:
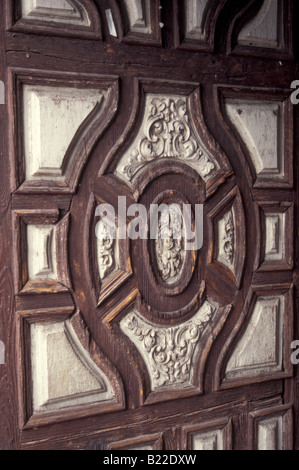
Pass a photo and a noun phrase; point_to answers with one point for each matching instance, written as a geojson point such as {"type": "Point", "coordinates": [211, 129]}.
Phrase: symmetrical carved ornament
{"type": "Point", "coordinates": [227, 238]}
{"type": "Point", "coordinates": [166, 132]}
{"type": "Point", "coordinates": [105, 251]}
{"type": "Point", "coordinates": [169, 246]}
{"type": "Point", "coordinates": [168, 351]}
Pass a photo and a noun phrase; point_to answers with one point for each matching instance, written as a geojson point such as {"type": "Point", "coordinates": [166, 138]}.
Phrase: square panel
{"type": "Point", "coordinates": [276, 235]}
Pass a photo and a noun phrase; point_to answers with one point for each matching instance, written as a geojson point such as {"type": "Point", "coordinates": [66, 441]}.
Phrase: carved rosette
{"type": "Point", "coordinates": [168, 351]}
{"type": "Point", "coordinates": [166, 133]}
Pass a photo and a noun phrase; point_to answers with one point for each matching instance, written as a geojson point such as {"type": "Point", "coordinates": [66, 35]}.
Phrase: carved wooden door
{"type": "Point", "coordinates": [131, 342]}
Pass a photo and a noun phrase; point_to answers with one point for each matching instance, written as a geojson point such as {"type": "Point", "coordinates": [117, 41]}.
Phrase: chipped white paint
{"type": "Point", "coordinates": [41, 252]}
{"type": "Point", "coordinates": [52, 116]}
{"type": "Point", "coordinates": [57, 11]}
{"type": "Point", "coordinates": [275, 237]}
{"type": "Point", "coordinates": [168, 352]}
{"type": "Point", "coordinates": [138, 13]}
{"type": "Point", "coordinates": [208, 440]}
{"type": "Point", "coordinates": [259, 124]}
{"type": "Point", "coordinates": [165, 133]}
{"type": "Point", "coordinates": [226, 239]}
{"type": "Point", "coordinates": [194, 18]}
{"type": "Point", "coordinates": [270, 433]}
{"type": "Point", "coordinates": [264, 30]}
{"type": "Point", "coordinates": [63, 374]}
{"type": "Point", "coordinates": [259, 350]}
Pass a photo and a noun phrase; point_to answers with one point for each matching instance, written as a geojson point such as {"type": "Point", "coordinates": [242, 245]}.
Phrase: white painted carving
{"type": "Point", "coordinates": [264, 30]}
{"type": "Point", "coordinates": [106, 252]}
{"type": "Point", "coordinates": [275, 236]}
{"type": "Point", "coordinates": [195, 13]}
{"type": "Point", "coordinates": [41, 252]}
{"type": "Point", "coordinates": [259, 351]}
{"type": "Point", "coordinates": [165, 133]}
{"type": "Point", "coordinates": [169, 245]}
{"type": "Point", "coordinates": [63, 374]}
{"type": "Point", "coordinates": [208, 440]}
{"type": "Point", "coordinates": [57, 11]}
{"type": "Point", "coordinates": [270, 433]}
{"type": "Point", "coordinates": [168, 351]}
{"type": "Point", "coordinates": [259, 124]}
{"type": "Point", "coordinates": [138, 13]}
{"type": "Point", "coordinates": [226, 240]}
{"type": "Point", "coordinates": [52, 116]}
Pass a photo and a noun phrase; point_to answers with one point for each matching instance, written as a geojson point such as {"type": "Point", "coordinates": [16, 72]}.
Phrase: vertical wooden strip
{"type": "Point", "coordinates": [8, 400]}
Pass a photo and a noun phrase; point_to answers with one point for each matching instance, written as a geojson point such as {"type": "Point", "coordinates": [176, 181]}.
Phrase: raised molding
{"type": "Point", "coordinates": [59, 116]}
{"type": "Point", "coordinates": [276, 228]}
{"type": "Point", "coordinates": [255, 350]}
{"type": "Point", "coordinates": [227, 229]}
{"type": "Point", "coordinates": [166, 132]}
{"type": "Point", "coordinates": [169, 250]}
{"type": "Point", "coordinates": [209, 440]}
{"type": "Point", "coordinates": [260, 122]}
{"type": "Point", "coordinates": [63, 11]}
{"type": "Point", "coordinates": [226, 239]}
{"type": "Point", "coordinates": [41, 253]}
{"type": "Point", "coordinates": [139, 15]}
{"type": "Point", "coordinates": [141, 21]}
{"type": "Point", "coordinates": [111, 23]}
{"type": "Point", "coordinates": [260, 126]}
{"type": "Point", "coordinates": [266, 28]}
{"type": "Point", "coordinates": [78, 18]}
{"type": "Point", "coordinates": [213, 435]}
{"type": "Point", "coordinates": [63, 374]}
{"type": "Point", "coordinates": [198, 19]}
{"type": "Point", "coordinates": [107, 253]}
{"type": "Point", "coordinates": [260, 349]}
{"type": "Point", "coordinates": [109, 259]}
{"type": "Point", "coordinates": [270, 434]}
{"type": "Point", "coordinates": [52, 116]}
{"type": "Point", "coordinates": [195, 14]}
{"type": "Point", "coordinates": [41, 246]}
{"type": "Point", "coordinates": [168, 352]}
{"type": "Point", "coordinates": [271, 428]}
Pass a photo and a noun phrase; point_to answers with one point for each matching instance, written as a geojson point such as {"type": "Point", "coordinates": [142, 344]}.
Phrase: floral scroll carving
{"type": "Point", "coordinates": [166, 133]}
{"type": "Point", "coordinates": [105, 251]}
{"type": "Point", "coordinates": [169, 246]}
{"type": "Point", "coordinates": [168, 351]}
{"type": "Point", "coordinates": [227, 238]}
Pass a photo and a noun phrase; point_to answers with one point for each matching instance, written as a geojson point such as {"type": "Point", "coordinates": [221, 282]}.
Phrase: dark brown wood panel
{"type": "Point", "coordinates": [164, 349]}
